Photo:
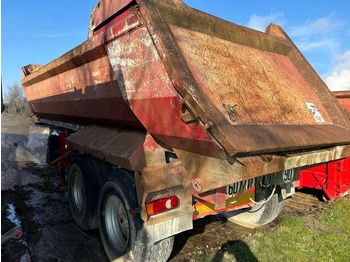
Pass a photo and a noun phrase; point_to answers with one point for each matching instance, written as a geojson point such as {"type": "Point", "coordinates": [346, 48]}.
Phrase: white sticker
{"type": "Point", "coordinates": [314, 111]}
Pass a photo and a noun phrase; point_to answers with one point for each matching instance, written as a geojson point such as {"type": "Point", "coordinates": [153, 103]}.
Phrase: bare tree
{"type": "Point", "coordinates": [16, 103]}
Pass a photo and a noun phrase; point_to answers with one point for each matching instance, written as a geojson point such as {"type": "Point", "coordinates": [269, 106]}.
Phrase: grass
{"type": "Point", "coordinates": [320, 236]}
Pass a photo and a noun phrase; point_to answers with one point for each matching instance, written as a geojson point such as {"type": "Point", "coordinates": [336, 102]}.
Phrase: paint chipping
{"type": "Point", "coordinates": [138, 68]}
{"type": "Point", "coordinates": [95, 73]}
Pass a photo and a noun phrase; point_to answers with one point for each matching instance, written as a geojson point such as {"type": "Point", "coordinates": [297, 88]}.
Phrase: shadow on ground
{"type": "Point", "coordinates": [235, 249]}
{"type": "Point", "coordinates": [208, 236]}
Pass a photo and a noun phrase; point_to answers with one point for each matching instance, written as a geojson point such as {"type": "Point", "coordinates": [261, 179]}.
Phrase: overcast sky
{"type": "Point", "coordinates": [40, 31]}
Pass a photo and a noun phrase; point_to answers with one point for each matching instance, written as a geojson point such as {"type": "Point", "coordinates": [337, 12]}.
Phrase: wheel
{"type": "Point", "coordinates": [123, 235]}
{"type": "Point", "coordinates": [83, 192]}
{"type": "Point", "coordinates": [258, 215]}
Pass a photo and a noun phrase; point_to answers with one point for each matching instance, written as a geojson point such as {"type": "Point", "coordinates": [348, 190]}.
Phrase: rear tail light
{"type": "Point", "coordinates": [161, 205]}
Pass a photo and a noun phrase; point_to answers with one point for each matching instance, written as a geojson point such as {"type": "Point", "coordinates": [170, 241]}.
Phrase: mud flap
{"type": "Point", "coordinates": [171, 227]}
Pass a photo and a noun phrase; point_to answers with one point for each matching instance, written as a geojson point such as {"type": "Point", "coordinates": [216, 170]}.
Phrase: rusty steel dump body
{"type": "Point", "coordinates": [233, 103]}
{"type": "Point", "coordinates": [343, 98]}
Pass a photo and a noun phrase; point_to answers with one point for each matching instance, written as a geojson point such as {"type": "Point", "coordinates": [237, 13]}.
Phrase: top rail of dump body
{"type": "Point", "coordinates": [343, 98]}
{"type": "Point", "coordinates": [253, 92]}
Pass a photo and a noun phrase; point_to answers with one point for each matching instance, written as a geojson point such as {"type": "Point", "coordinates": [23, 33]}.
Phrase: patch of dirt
{"type": "Point", "coordinates": [303, 203]}
{"type": "Point", "coordinates": [211, 234]}
{"type": "Point", "coordinates": [13, 249]}
{"type": "Point", "coordinates": [273, 226]}
{"type": "Point", "coordinates": [49, 234]}
{"type": "Point", "coordinates": [208, 236]}
{"type": "Point", "coordinates": [312, 223]}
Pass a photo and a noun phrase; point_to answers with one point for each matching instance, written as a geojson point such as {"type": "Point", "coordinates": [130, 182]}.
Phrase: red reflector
{"type": "Point", "coordinates": [17, 233]}
{"type": "Point", "coordinates": [161, 205]}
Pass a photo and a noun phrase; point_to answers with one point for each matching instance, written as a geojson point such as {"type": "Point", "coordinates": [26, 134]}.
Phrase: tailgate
{"type": "Point", "coordinates": [255, 92]}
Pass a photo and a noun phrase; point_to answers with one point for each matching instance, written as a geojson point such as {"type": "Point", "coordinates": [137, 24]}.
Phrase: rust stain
{"type": "Point", "coordinates": [158, 181]}
{"type": "Point", "coordinates": [138, 67]}
{"type": "Point", "coordinates": [103, 10]}
{"type": "Point", "coordinates": [188, 79]}
{"type": "Point", "coordinates": [343, 98]}
{"type": "Point", "coordinates": [214, 173]}
{"type": "Point", "coordinates": [267, 89]}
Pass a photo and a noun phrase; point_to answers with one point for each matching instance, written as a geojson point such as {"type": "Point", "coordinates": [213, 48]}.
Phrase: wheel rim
{"type": "Point", "coordinates": [78, 193]}
{"type": "Point", "coordinates": [117, 224]}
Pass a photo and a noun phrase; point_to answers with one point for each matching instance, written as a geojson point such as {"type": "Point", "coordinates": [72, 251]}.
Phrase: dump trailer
{"type": "Point", "coordinates": [332, 178]}
{"type": "Point", "coordinates": [167, 114]}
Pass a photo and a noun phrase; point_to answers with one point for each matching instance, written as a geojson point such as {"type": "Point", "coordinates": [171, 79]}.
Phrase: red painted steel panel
{"type": "Point", "coordinates": [85, 94]}
{"type": "Point", "coordinates": [150, 93]}
{"type": "Point", "coordinates": [104, 10]}
{"type": "Point", "coordinates": [185, 76]}
{"type": "Point", "coordinates": [332, 178]}
{"type": "Point", "coordinates": [343, 98]}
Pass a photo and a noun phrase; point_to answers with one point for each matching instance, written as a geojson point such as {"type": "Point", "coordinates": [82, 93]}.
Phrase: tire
{"type": "Point", "coordinates": [257, 215]}
{"type": "Point", "coordinates": [83, 190]}
{"type": "Point", "coordinates": [123, 235]}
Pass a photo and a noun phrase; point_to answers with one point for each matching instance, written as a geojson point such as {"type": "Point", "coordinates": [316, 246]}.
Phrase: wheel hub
{"type": "Point", "coordinates": [117, 224]}
{"type": "Point", "coordinates": [78, 193]}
